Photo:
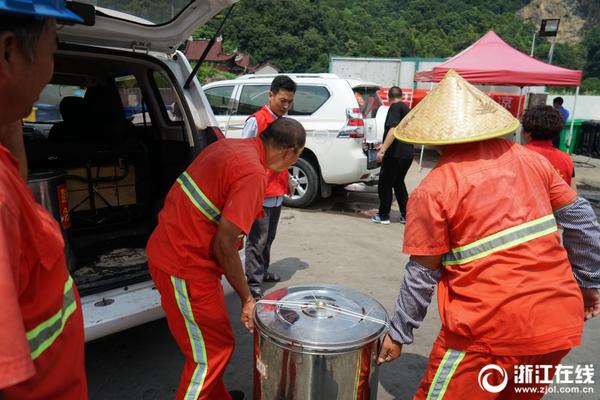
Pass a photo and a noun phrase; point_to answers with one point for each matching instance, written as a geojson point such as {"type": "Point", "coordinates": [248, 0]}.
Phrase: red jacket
{"type": "Point", "coordinates": [277, 181]}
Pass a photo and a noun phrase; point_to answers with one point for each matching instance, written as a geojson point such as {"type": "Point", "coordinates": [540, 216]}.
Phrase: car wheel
{"type": "Point", "coordinates": [305, 182]}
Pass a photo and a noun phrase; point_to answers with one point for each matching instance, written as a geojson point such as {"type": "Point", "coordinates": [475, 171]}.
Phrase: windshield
{"type": "Point", "coordinates": [155, 12]}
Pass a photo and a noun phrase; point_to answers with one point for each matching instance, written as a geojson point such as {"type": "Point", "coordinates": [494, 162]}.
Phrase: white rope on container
{"type": "Point", "coordinates": [299, 305]}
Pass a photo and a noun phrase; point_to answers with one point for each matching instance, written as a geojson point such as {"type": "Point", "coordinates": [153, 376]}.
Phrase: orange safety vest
{"type": "Point", "coordinates": [277, 182]}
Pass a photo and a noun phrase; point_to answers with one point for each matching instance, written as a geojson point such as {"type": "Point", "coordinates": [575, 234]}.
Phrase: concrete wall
{"type": "Point", "coordinates": [588, 107]}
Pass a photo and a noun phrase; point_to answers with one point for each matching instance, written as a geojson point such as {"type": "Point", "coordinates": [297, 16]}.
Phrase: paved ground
{"type": "Point", "coordinates": [333, 242]}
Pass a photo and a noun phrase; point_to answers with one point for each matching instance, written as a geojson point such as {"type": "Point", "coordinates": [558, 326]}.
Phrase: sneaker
{"type": "Point", "coordinates": [271, 277]}
{"type": "Point", "coordinates": [256, 293]}
{"type": "Point", "coordinates": [378, 220]}
{"type": "Point", "coordinates": [236, 395]}
{"type": "Point", "coordinates": [402, 219]}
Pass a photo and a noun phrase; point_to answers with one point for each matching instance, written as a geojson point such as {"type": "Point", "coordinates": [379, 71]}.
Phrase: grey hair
{"type": "Point", "coordinates": [27, 30]}
{"type": "Point", "coordinates": [285, 133]}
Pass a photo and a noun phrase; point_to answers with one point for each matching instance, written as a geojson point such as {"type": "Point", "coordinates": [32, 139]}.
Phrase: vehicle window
{"type": "Point", "coordinates": [150, 12]}
{"type": "Point", "coordinates": [368, 101]}
{"type": "Point", "coordinates": [47, 108]}
{"type": "Point", "coordinates": [219, 98]}
{"type": "Point", "coordinates": [168, 96]}
{"type": "Point", "coordinates": [308, 99]}
{"type": "Point", "coordinates": [131, 95]}
{"type": "Point", "coordinates": [253, 97]}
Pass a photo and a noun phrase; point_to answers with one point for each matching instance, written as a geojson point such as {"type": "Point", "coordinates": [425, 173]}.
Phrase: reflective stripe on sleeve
{"type": "Point", "coordinates": [198, 198]}
{"type": "Point", "coordinates": [42, 336]}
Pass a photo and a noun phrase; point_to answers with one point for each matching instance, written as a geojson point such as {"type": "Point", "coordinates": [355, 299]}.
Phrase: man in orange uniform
{"type": "Point", "coordinates": [212, 204]}
{"type": "Point", "coordinates": [262, 234]}
{"type": "Point", "coordinates": [482, 227]}
{"type": "Point", "coordinates": [41, 334]}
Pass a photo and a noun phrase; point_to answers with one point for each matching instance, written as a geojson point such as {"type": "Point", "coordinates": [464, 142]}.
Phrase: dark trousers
{"type": "Point", "coordinates": [258, 246]}
{"type": "Point", "coordinates": [391, 177]}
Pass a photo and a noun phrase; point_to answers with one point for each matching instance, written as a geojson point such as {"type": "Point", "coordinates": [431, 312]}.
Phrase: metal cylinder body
{"type": "Point", "coordinates": [316, 349]}
{"type": "Point", "coordinates": [49, 189]}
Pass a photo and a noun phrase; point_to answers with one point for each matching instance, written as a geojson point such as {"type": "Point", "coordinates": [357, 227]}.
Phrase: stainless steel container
{"type": "Point", "coordinates": [49, 189]}
{"type": "Point", "coordinates": [317, 342]}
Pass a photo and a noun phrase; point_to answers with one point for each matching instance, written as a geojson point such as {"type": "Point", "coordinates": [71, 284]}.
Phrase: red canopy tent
{"type": "Point", "coordinates": [492, 61]}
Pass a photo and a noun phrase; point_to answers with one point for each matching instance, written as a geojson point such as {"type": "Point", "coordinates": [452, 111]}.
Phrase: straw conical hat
{"type": "Point", "coordinates": [455, 112]}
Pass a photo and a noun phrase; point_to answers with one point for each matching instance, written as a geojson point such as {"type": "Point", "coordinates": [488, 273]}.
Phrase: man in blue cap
{"type": "Point", "coordinates": [41, 339]}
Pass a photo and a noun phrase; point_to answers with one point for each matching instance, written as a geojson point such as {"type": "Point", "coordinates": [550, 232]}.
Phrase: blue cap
{"type": "Point", "coordinates": [39, 8]}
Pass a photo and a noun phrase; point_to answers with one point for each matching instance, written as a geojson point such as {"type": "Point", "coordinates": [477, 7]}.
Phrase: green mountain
{"type": "Point", "coordinates": [298, 36]}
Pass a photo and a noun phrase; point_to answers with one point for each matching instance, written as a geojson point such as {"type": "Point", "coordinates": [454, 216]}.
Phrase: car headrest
{"type": "Point", "coordinates": [73, 108]}
{"type": "Point", "coordinates": [104, 103]}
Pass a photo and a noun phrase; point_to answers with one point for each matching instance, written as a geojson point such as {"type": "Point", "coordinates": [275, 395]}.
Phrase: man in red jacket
{"type": "Point", "coordinates": [262, 234]}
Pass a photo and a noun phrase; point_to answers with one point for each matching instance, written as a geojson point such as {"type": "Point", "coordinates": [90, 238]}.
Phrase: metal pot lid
{"type": "Point", "coordinates": [320, 317]}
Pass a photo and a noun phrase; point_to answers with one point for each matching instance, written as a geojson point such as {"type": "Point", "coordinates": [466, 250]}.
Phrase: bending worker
{"type": "Point", "coordinates": [41, 334]}
{"type": "Point", "coordinates": [482, 227]}
{"type": "Point", "coordinates": [262, 234]}
{"type": "Point", "coordinates": [206, 212]}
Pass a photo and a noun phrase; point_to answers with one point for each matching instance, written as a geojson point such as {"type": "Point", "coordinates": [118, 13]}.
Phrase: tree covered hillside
{"type": "Point", "coordinates": [299, 35]}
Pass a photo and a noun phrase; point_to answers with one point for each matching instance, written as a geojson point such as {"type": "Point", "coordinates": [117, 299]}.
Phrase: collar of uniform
{"type": "Point", "coordinates": [260, 147]}
{"type": "Point", "coordinates": [11, 158]}
{"type": "Point", "coordinates": [541, 143]}
{"type": "Point", "coordinates": [271, 111]}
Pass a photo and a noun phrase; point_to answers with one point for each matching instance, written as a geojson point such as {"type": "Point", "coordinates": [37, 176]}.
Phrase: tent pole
{"type": "Point", "coordinates": [572, 121]}
{"type": "Point", "coordinates": [423, 146]}
{"type": "Point", "coordinates": [519, 133]}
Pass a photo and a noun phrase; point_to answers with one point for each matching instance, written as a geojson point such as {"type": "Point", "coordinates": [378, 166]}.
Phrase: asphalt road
{"type": "Point", "coordinates": [332, 242]}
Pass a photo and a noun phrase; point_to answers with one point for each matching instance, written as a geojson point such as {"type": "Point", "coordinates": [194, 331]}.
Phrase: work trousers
{"type": "Point", "coordinates": [458, 375]}
{"type": "Point", "coordinates": [258, 246]}
{"type": "Point", "coordinates": [199, 322]}
{"type": "Point", "coordinates": [391, 177]}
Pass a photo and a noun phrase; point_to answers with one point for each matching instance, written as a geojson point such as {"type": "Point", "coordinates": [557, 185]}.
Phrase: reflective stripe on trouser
{"type": "Point", "coordinates": [196, 340]}
{"type": "Point", "coordinates": [500, 241]}
{"type": "Point", "coordinates": [199, 199]}
{"type": "Point", "coordinates": [198, 320]}
{"type": "Point", "coordinates": [42, 336]}
{"type": "Point", "coordinates": [444, 374]}
{"type": "Point", "coordinates": [467, 381]}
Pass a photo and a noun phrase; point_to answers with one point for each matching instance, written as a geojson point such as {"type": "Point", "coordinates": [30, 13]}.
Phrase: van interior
{"type": "Point", "coordinates": [112, 125]}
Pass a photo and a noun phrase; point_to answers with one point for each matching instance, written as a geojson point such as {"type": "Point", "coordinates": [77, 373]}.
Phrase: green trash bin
{"type": "Point", "coordinates": [575, 139]}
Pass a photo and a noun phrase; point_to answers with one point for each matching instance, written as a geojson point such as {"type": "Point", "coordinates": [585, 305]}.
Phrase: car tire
{"type": "Point", "coordinates": [306, 184]}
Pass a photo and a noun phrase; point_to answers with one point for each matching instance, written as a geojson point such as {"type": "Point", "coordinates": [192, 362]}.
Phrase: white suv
{"type": "Point", "coordinates": [116, 173]}
{"type": "Point", "coordinates": [339, 118]}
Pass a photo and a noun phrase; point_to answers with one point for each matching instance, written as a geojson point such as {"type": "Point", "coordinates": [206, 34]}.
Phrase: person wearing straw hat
{"type": "Point", "coordinates": [41, 334]}
{"type": "Point", "coordinates": [482, 228]}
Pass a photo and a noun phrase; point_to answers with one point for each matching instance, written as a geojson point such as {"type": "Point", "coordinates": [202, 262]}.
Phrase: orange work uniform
{"type": "Point", "coordinates": [507, 288]}
{"type": "Point", "coordinates": [41, 335]}
{"type": "Point", "coordinates": [227, 180]}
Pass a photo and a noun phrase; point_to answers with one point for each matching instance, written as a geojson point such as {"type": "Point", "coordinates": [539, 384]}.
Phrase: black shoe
{"type": "Point", "coordinates": [270, 277]}
{"type": "Point", "coordinates": [236, 395]}
{"type": "Point", "coordinates": [402, 219]}
{"type": "Point", "coordinates": [256, 293]}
